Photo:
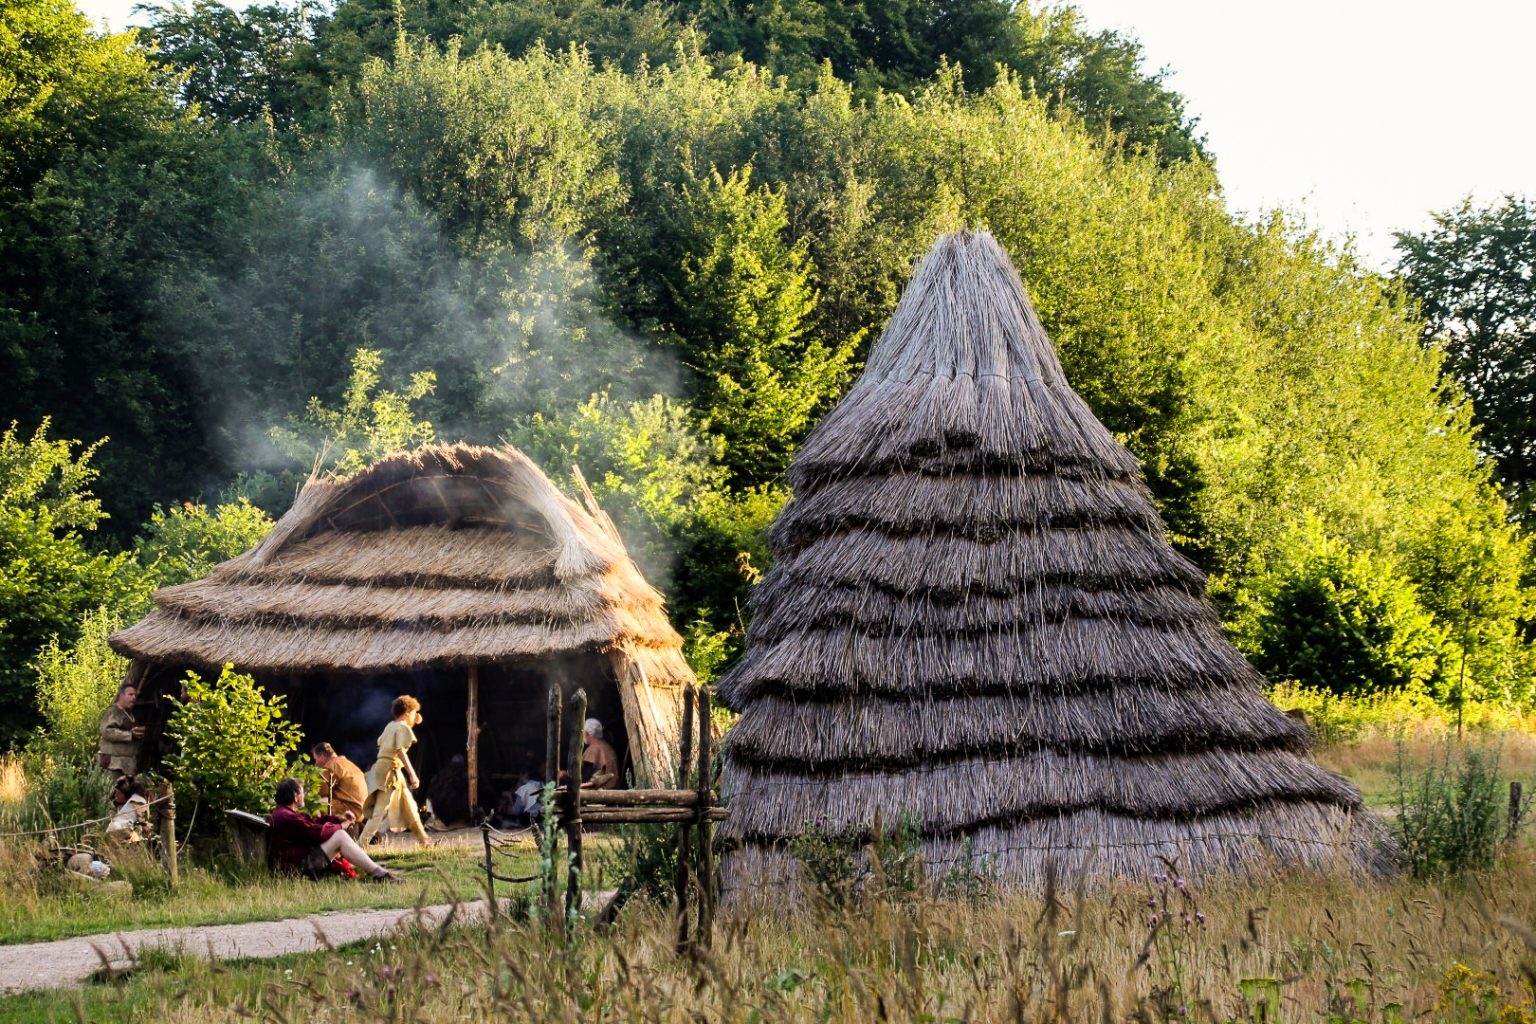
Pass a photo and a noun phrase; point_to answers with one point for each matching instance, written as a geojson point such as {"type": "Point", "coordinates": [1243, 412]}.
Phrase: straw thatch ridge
{"type": "Point", "coordinates": [975, 620]}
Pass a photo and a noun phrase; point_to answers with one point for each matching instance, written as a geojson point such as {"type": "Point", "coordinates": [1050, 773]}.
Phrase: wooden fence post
{"type": "Point", "coordinates": [472, 743]}
{"type": "Point", "coordinates": [706, 853]}
{"type": "Point", "coordinates": [578, 728]}
{"type": "Point", "coordinates": [1515, 809]}
{"type": "Point", "coordinates": [680, 880]}
{"type": "Point", "coordinates": [550, 825]}
{"type": "Point", "coordinates": [168, 836]}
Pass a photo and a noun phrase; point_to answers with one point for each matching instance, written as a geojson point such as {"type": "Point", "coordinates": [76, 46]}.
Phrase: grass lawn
{"type": "Point", "coordinates": [165, 978]}
{"type": "Point", "coordinates": [35, 908]}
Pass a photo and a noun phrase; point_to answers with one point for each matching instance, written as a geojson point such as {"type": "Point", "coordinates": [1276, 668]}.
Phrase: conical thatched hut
{"type": "Point", "coordinates": [975, 620]}
{"type": "Point", "coordinates": [457, 573]}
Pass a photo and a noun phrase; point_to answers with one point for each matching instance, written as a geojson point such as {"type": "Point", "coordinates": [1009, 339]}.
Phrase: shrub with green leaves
{"type": "Point", "coordinates": [233, 743]}
{"type": "Point", "coordinates": [1341, 620]}
{"type": "Point", "coordinates": [1451, 812]}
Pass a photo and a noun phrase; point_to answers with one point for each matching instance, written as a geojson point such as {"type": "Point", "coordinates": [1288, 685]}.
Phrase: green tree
{"type": "Point", "coordinates": [233, 744]}
{"type": "Point", "coordinates": [49, 578]}
{"type": "Point", "coordinates": [107, 190]}
{"type": "Point", "coordinates": [186, 541]}
{"type": "Point", "coordinates": [741, 307]}
{"type": "Point", "coordinates": [1474, 275]}
{"type": "Point", "coordinates": [1340, 620]}
{"type": "Point", "coordinates": [370, 423]}
{"type": "Point", "coordinates": [245, 65]}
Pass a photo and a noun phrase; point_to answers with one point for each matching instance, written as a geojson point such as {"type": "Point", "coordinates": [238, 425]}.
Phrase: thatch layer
{"type": "Point", "coordinates": [443, 556]}
{"type": "Point", "coordinates": [826, 734]}
{"type": "Point", "coordinates": [1092, 846]}
{"type": "Point", "coordinates": [975, 621]}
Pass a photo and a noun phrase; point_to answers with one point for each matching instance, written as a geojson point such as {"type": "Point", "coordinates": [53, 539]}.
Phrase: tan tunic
{"type": "Point", "coordinates": [117, 743]}
{"type": "Point", "coordinates": [344, 786]}
{"type": "Point", "coordinates": [389, 798]}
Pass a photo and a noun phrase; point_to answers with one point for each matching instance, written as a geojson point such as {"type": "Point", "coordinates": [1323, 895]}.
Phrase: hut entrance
{"type": "Point", "coordinates": [350, 710]}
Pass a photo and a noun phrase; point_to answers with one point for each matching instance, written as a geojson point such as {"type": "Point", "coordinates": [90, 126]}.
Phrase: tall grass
{"type": "Point", "coordinates": [1311, 948]}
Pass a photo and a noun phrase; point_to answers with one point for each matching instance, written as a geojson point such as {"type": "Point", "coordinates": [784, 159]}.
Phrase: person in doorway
{"type": "Point", "coordinates": [121, 736]}
{"type": "Point", "coordinates": [304, 844]}
{"type": "Point", "coordinates": [392, 778]}
{"type": "Point", "coordinates": [343, 787]}
{"type": "Point", "coordinates": [599, 763]}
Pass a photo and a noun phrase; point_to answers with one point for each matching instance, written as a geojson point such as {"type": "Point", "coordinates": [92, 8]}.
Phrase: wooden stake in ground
{"type": "Point", "coordinates": [680, 880]}
{"type": "Point", "coordinates": [547, 822]}
{"type": "Point", "coordinates": [706, 833]}
{"type": "Point", "coordinates": [472, 744]}
{"type": "Point", "coordinates": [577, 728]}
{"type": "Point", "coordinates": [168, 836]}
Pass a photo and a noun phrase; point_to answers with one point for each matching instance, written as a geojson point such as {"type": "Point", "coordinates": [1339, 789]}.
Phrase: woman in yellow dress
{"type": "Point", "coordinates": [392, 778]}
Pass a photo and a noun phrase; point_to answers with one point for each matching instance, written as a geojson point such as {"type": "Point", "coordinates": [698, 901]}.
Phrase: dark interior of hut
{"type": "Point", "coordinates": [349, 710]}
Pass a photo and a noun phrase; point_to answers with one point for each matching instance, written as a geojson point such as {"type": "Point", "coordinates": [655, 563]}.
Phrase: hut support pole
{"type": "Point", "coordinates": [577, 729]}
{"type": "Point", "coordinates": [680, 880]}
{"type": "Point", "coordinates": [548, 821]}
{"type": "Point", "coordinates": [472, 751]}
{"type": "Point", "coordinates": [706, 853]}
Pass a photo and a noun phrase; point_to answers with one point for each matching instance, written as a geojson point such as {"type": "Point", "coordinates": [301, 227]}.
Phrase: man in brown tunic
{"type": "Point", "coordinates": [121, 736]}
{"type": "Point", "coordinates": [343, 788]}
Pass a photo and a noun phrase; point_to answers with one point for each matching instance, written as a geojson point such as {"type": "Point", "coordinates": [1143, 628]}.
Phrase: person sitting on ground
{"type": "Point", "coordinates": [311, 845]}
{"type": "Point", "coordinates": [130, 818]}
{"type": "Point", "coordinates": [448, 793]}
{"type": "Point", "coordinates": [344, 788]}
{"type": "Point", "coordinates": [599, 763]}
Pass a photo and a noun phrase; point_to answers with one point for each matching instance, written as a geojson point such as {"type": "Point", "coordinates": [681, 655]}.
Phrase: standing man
{"type": "Point", "coordinates": [599, 763]}
{"type": "Point", "coordinates": [121, 736]}
{"type": "Point", "coordinates": [343, 788]}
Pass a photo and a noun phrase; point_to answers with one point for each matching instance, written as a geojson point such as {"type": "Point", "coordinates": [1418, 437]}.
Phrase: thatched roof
{"type": "Point", "coordinates": [975, 619]}
{"type": "Point", "coordinates": [446, 556]}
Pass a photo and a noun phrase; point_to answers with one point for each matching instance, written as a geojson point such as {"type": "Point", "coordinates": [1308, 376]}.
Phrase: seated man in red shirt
{"type": "Point", "coordinates": [302, 843]}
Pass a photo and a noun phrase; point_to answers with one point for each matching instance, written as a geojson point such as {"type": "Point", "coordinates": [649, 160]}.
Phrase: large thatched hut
{"type": "Point", "coordinates": [457, 573]}
{"type": "Point", "coordinates": [975, 620]}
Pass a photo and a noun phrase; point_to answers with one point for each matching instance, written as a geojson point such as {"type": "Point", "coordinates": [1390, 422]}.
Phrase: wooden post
{"type": "Point", "coordinates": [577, 728]}
{"type": "Point", "coordinates": [549, 825]}
{"type": "Point", "coordinates": [680, 880]}
{"type": "Point", "coordinates": [1514, 810]}
{"type": "Point", "coordinates": [706, 853]}
{"type": "Point", "coordinates": [492, 905]}
{"type": "Point", "coordinates": [168, 836]}
{"type": "Point", "coordinates": [472, 751]}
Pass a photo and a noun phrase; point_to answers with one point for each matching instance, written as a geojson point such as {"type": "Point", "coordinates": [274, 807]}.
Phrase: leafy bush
{"type": "Point", "coordinates": [74, 686]}
{"type": "Point", "coordinates": [1341, 620]}
{"type": "Point", "coordinates": [843, 864]}
{"type": "Point", "coordinates": [233, 744]}
{"type": "Point", "coordinates": [186, 541]}
{"type": "Point", "coordinates": [1451, 812]}
{"type": "Point", "coordinates": [647, 857]}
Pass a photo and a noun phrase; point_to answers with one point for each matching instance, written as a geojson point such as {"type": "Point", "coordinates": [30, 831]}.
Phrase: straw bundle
{"type": "Point", "coordinates": [975, 620]}
{"type": "Point", "coordinates": [448, 555]}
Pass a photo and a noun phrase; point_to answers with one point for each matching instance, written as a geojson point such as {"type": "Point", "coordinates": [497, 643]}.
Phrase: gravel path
{"type": "Point", "coordinates": [68, 962]}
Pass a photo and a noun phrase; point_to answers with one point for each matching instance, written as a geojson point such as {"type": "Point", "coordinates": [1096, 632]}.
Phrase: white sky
{"type": "Point", "coordinates": [1363, 115]}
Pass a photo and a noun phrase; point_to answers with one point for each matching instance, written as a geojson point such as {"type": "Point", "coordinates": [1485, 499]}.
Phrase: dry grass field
{"type": "Point", "coordinates": [1299, 948]}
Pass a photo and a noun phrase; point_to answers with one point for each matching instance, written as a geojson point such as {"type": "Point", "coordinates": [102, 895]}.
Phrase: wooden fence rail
{"type": "Point", "coordinates": [689, 806]}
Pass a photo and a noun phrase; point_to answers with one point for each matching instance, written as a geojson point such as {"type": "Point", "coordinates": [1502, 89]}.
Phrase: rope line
{"type": "Point", "coordinates": [68, 828]}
